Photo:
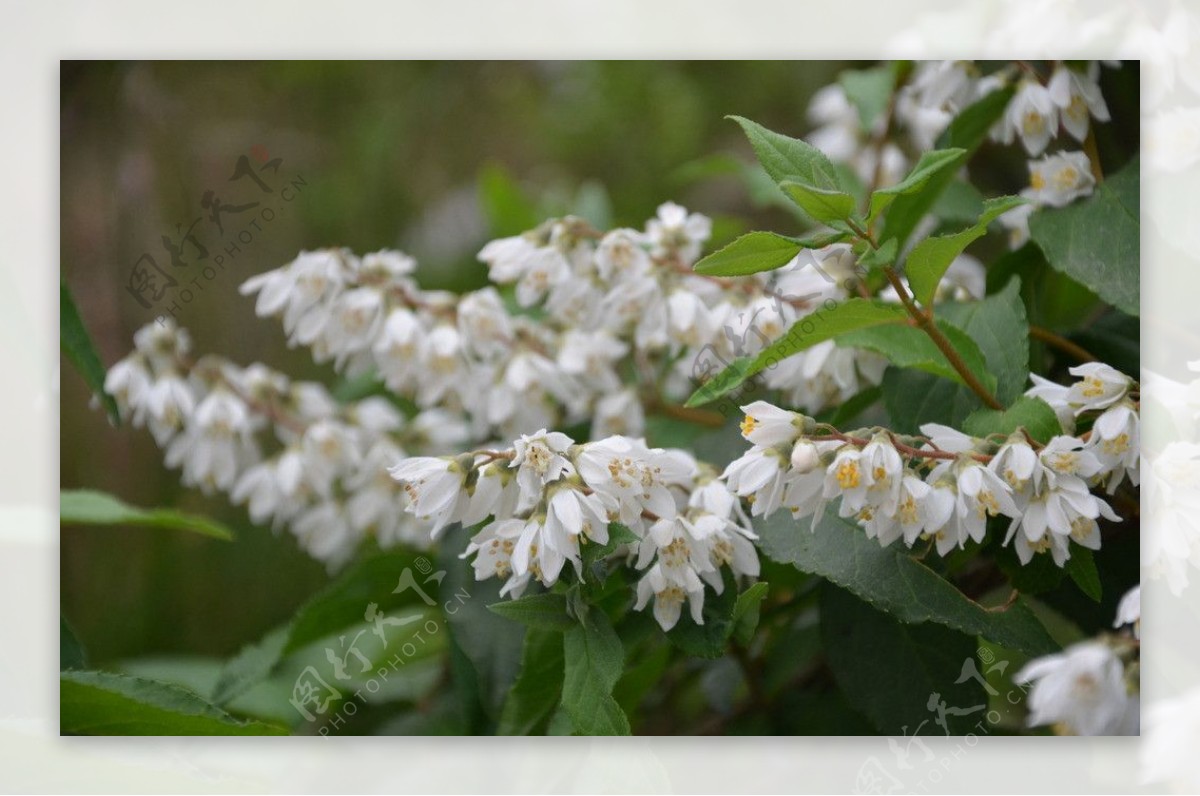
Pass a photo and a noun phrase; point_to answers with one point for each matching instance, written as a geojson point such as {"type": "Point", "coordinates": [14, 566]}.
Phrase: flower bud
{"type": "Point", "coordinates": [804, 457]}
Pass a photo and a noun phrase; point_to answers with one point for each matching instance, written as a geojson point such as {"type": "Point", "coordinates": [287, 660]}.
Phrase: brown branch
{"type": "Point", "coordinates": [1063, 344]}
{"type": "Point", "coordinates": [924, 320]}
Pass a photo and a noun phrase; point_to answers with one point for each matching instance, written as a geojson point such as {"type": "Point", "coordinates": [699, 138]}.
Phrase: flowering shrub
{"type": "Point", "coordinates": [564, 441]}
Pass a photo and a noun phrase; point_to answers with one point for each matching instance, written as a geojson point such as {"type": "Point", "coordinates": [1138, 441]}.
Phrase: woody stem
{"type": "Point", "coordinates": [924, 320]}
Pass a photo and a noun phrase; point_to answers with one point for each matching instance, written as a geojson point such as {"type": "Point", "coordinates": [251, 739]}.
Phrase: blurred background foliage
{"type": "Point", "coordinates": [432, 158]}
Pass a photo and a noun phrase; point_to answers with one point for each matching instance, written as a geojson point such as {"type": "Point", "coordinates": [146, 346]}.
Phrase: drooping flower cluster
{"type": "Point", "coordinates": [288, 450]}
{"type": "Point", "coordinates": [937, 91]}
{"type": "Point", "coordinates": [945, 485]}
{"type": "Point", "coordinates": [1090, 688]}
{"type": "Point", "coordinates": [569, 314]}
{"type": "Point", "coordinates": [546, 499]}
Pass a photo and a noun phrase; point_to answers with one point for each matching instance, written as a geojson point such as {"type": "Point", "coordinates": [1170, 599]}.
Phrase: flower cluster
{"type": "Point", "coordinates": [1068, 100]}
{"type": "Point", "coordinates": [571, 313]}
{"type": "Point", "coordinates": [1090, 688]}
{"type": "Point", "coordinates": [543, 501]}
{"type": "Point", "coordinates": [944, 486]}
{"type": "Point", "coordinates": [288, 450]}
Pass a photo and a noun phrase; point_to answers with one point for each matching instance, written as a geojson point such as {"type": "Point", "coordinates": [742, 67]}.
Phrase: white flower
{"type": "Point", "coordinates": [632, 478]}
{"type": "Point", "coordinates": [575, 516]}
{"type": "Point", "coordinates": [217, 445]}
{"type": "Point", "coordinates": [442, 365]}
{"type": "Point", "coordinates": [592, 356]}
{"type": "Point", "coordinates": [981, 494]}
{"type": "Point", "coordinates": [435, 489]}
{"type": "Point", "coordinates": [848, 477]}
{"type": "Point", "coordinates": [1056, 396]}
{"type": "Point", "coordinates": [258, 487]}
{"type": "Point", "coordinates": [760, 475]}
{"type": "Point", "coordinates": [1063, 510]}
{"type": "Point", "coordinates": [353, 324]}
{"type": "Point", "coordinates": [493, 549]}
{"type": "Point", "coordinates": [508, 258]}
{"type": "Point", "coordinates": [690, 322]}
{"type": "Point", "coordinates": [1171, 495]}
{"type": "Point", "coordinates": [398, 348]}
{"type": "Point", "coordinates": [1017, 463]}
{"type": "Point", "coordinates": [325, 533]}
{"type": "Point", "coordinates": [127, 382]}
{"type": "Point", "coordinates": [1068, 456]}
{"type": "Point", "coordinates": [766, 425]}
{"type": "Point", "coordinates": [1082, 687]}
{"type": "Point", "coordinates": [676, 232]}
{"type": "Point", "coordinates": [375, 502]}
{"type": "Point", "coordinates": [1129, 611]}
{"type": "Point", "coordinates": [1115, 441]}
{"type": "Point", "coordinates": [484, 324]}
{"type": "Point", "coordinates": [1078, 96]}
{"type": "Point", "coordinates": [542, 552]}
{"type": "Point", "coordinates": [1031, 115]}
{"type": "Point", "coordinates": [669, 596]}
{"type": "Point", "coordinates": [1016, 221]}
{"type": "Point", "coordinates": [907, 516]}
{"type": "Point", "coordinates": [948, 439]}
{"type": "Point", "coordinates": [539, 460]}
{"type": "Point", "coordinates": [544, 269]}
{"type": "Point", "coordinates": [329, 449]}
{"type": "Point", "coordinates": [622, 255]}
{"type": "Point", "coordinates": [168, 405]}
{"type": "Point", "coordinates": [1101, 387]}
{"type": "Point", "coordinates": [619, 413]}
{"type": "Point", "coordinates": [805, 457]}
{"type": "Point", "coordinates": [1059, 179]}
{"type": "Point", "coordinates": [387, 263]}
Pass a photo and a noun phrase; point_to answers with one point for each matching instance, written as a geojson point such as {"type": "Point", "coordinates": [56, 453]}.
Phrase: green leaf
{"type": "Point", "coordinates": [750, 254]}
{"type": "Point", "coordinates": [1081, 566]}
{"type": "Point", "coordinates": [921, 178]}
{"type": "Point", "coordinates": [505, 206]}
{"type": "Point", "coordinates": [876, 259]}
{"type": "Point", "coordinates": [746, 612]}
{"type": "Point", "coordinates": [1097, 241]}
{"type": "Point", "coordinates": [922, 664]}
{"type": "Point", "coordinates": [250, 666]}
{"type": "Point", "coordinates": [816, 327]}
{"type": "Point", "coordinates": [88, 507]}
{"type": "Point", "coordinates": [489, 645]}
{"type": "Point", "coordinates": [546, 611]}
{"type": "Point", "coordinates": [337, 606]}
{"type": "Point", "coordinates": [893, 581]}
{"type": "Point", "coordinates": [790, 159]}
{"type": "Point", "coordinates": [538, 688]}
{"type": "Point", "coordinates": [869, 90]}
{"type": "Point", "coordinates": [998, 326]}
{"type": "Point", "coordinates": [967, 131]}
{"type": "Point", "coordinates": [593, 554]}
{"type": "Point", "coordinates": [831, 207]}
{"type": "Point", "coordinates": [77, 344]}
{"type": "Point", "coordinates": [929, 259]}
{"type": "Point", "coordinates": [709, 639]}
{"type": "Point", "coordinates": [960, 202]}
{"type": "Point", "coordinates": [1032, 414]}
{"type": "Point", "coordinates": [909, 347]}
{"type": "Point", "coordinates": [593, 661]}
{"type": "Point", "coordinates": [101, 703]}
{"type": "Point", "coordinates": [70, 651]}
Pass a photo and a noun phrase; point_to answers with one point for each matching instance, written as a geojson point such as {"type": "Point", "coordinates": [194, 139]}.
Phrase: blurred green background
{"type": "Point", "coordinates": [392, 155]}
